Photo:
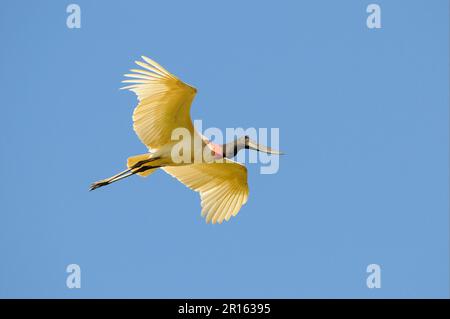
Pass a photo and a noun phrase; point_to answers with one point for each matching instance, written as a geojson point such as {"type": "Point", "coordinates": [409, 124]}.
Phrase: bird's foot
{"type": "Point", "coordinates": [98, 184]}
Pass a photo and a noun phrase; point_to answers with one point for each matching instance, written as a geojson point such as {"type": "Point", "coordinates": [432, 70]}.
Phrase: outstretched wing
{"type": "Point", "coordinates": [222, 186]}
{"type": "Point", "coordinates": [164, 103]}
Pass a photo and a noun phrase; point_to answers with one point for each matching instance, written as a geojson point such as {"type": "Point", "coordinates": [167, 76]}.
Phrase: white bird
{"type": "Point", "coordinates": [164, 105]}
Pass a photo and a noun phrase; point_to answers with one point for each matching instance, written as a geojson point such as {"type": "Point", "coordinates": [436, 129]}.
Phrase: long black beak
{"type": "Point", "coordinates": [261, 148]}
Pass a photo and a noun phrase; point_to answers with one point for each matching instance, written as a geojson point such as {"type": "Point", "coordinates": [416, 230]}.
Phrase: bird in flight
{"type": "Point", "coordinates": [164, 106]}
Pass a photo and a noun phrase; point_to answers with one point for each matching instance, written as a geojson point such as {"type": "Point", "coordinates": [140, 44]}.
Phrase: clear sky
{"type": "Point", "coordinates": [363, 117]}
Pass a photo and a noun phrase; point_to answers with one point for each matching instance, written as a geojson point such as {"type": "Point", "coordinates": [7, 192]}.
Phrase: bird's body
{"type": "Point", "coordinates": [164, 108]}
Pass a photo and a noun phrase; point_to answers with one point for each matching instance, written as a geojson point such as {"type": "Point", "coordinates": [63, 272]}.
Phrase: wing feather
{"type": "Point", "coordinates": [231, 209]}
{"type": "Point", "coordinates": [227, 206]}
{"type": "Point", "coordinates": [222, 186]}
{"type": "Point", "coordinates": [164, 103]}
{"type": "Point", "coordinates": [158, 67]}
{"type": "Point", "coordinates": [225, 202]}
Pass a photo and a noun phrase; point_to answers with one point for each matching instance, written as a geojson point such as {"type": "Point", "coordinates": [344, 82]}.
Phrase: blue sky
{"type": "Point", "coordinates": [363, 117]}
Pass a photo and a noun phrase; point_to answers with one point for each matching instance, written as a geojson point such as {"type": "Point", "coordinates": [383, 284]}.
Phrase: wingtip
{"type": "Point", "coordinates": [148, 60]}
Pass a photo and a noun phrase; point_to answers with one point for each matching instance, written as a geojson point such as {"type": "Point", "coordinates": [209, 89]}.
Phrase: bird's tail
{"type": "Point", "coordinates": [143, 165]}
